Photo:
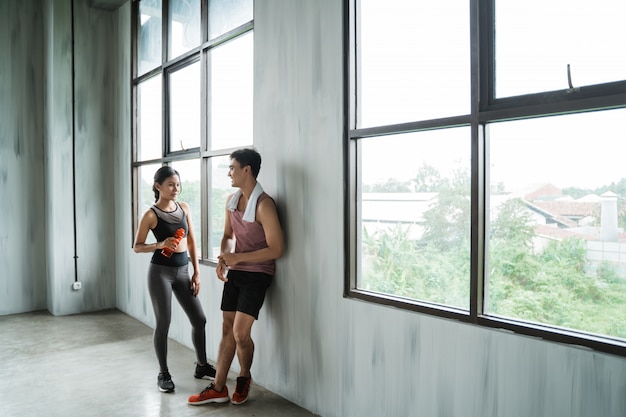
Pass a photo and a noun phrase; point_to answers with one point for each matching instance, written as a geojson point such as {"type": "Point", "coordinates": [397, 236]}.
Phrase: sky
{"type": "Point", "coordinates": [535, 41]}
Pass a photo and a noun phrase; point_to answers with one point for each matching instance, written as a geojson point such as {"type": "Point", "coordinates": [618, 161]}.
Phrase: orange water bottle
{"type": "Point", "coordinates": [167, 252]}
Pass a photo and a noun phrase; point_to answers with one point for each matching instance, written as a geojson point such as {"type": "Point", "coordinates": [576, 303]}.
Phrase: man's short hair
{"type": "Point", "coordinates": [248, 157]}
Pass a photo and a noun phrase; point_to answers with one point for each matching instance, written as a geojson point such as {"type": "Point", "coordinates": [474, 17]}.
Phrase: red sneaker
{"type": "Point", "coordinates": [240, 395]}
{"type": "Point", "coordinates": [209, 395]}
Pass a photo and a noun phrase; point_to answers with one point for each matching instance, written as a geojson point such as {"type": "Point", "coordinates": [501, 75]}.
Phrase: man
{"type": "Point", "coordinates": [253, 227]}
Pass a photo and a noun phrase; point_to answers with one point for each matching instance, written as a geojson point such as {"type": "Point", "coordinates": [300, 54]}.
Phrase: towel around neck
{"type": "Point", "coordinates": [249, 214]}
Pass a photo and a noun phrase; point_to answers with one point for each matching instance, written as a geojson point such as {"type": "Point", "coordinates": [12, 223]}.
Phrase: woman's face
{"type": "Point", "coordinates": [170, 188]}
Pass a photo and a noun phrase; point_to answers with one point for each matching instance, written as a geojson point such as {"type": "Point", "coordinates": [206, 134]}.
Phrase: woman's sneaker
{"type": "Point", "coordinates": [242, 389]}
{"type": "Point", "coordinates": [204, 370]}
{"type": "Point", "coordinates": [209, 395]}
{"type": "Point", "coordinates": [165, 382]}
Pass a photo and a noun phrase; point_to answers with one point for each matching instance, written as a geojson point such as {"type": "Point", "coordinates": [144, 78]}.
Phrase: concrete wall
{"type": "Point", "coordinates": [336, 357]}
{"type": "Point", "coordinates": [36, 173]}
{"type": "Point", "coordinates": [88, 131]}
{"type": "Point", "coordinates": [22, 171]}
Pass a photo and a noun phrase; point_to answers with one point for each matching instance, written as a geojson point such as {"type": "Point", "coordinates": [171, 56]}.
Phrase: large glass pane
{"type": "Point", "coordinates": [149, 119]}
{"type": "Point", "coordinates": [185, 26]}
{"type": "Point", "coordinates": [225, 15]}
{"type": "Point", "coordinates": [190, 193]}
{"type": "Point", "coordinates": [537, 39]}
{"type": "Point", "coordinates": [415, 216]}
{"type": "Point", "coordinates": [145, 192]}
{"type": "Point", "coordinates": [557, 248]}
{"type": "Point", "coordinates": [149, 30]}
{"type": "Point", "coordinates": [185, 111]}
{"type": "Point", "coordinates": [231, 84]}
{"type": "Point", "coordinates": [220, 189]}
{"type": "Point", "coordinates": [414, 61]}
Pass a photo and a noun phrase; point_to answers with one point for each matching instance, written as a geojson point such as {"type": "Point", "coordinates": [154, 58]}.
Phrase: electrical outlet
{"type": "Point", "coordinates": [76, 286]}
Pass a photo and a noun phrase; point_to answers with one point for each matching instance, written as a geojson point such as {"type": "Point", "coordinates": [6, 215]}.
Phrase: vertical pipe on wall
{"type": "Point", "coordinates": [74, 147]}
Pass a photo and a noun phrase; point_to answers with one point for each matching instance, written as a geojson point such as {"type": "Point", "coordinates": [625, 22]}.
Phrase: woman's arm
{"type": "Point", "coordinates": [148, 221]}
{"type": "Point", "coordinates": [191, 247]}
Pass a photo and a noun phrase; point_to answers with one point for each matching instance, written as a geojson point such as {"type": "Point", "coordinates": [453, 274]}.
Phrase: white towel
{"type": "Point", "coordinates": [250, 213]}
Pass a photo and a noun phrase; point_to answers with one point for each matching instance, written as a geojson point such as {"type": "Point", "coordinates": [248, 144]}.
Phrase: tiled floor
{"type": "Point", "coordinates": [103, 364]}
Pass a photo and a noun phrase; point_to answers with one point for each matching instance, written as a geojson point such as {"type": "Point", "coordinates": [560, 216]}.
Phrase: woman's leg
{"type": "Point", "coordinates": [160, 288]}
{"type": "Point", "coordinates": [193, 308]}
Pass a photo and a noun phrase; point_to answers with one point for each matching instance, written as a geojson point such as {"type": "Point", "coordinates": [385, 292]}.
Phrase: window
{"type": "Point", "coordinates": [564, 34]}
{"type": "Point", "coordinates": [557, 253]}
{"type": "Point", "coordinates": [185, 26]}
{"type": "Point", "coordinates": [193, 108]}
{"type": "Point", "coordinates": [415, 216]}
{"type": "Point", "coordinates": [486, 181]}
{"type": "Point", "coordinates": [423, 43]}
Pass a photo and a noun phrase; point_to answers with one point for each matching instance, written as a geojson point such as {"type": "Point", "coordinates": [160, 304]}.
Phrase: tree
{"type": "Point", "coordinates": [554, 284]}
{"type": "Point", "coordinates": [427, 179]}
{"type": "Point", "coordinates": [391, 186]}
{"type": "Point", "coordinates": [447, 222]}
{"type": "Point", "coordinates": [435, 268]}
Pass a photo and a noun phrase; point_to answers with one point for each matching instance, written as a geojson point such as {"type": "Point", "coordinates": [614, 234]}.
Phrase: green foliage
{"type": "Point", "coordinates": [618, 188]}
{"type": "Point", "coordinates": [217, 215]}
{"type": "Point", "coordinates": [146, 197]}
{"type": "Point", "coordinates": [399, 266]}
{"type": "Point", "coordinates": [447, 222]}
{"type": "Point", "coordinates": [391, 186]}
{"type": "Point", "coordinates": [568, 254]}
{"type": "Point", "coordinates": [513, 224]}
{"type": "Point", "coordinates": [608, 273]}
{"type": "Point", "coordinates": [190, 194]}
{"type": "Point", "coordinates": [436, 268]}
{"type": "Point", "coordinates": [552, 283]}
{"type": "Point", "coordinates": [427, 179]}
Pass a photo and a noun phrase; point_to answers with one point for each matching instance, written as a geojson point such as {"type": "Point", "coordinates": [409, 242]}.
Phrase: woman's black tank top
{"type": "Point", "coordinates": [167, 224]}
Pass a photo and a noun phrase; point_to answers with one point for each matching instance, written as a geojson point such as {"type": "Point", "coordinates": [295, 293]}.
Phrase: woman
{"type": "Point", "coordinates": [168, 274]}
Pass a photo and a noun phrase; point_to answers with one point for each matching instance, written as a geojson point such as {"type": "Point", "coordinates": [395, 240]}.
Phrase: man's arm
{"type": "Point", "coordinates": [267, 216]}
{"type": "Point", "coordinates": [226, 245]}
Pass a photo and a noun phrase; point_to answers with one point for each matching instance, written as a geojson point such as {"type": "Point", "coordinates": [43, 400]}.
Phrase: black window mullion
{"type": "Point", "coordinates": [485, 19]}
{"type": "Point", "coordinates": [165, 133]}
{"type": "Point", "coordinates": [206, 172]}
{"type": "Point", "coordinates": [478, 163]}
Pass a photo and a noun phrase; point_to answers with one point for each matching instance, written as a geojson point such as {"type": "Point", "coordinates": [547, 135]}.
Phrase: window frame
{"type": "Point", "coordinates": [203, 152]}
{"type": "Point", "coordinates": [589, 97]}
{"type": "Point", "coordinates": [485, 108]}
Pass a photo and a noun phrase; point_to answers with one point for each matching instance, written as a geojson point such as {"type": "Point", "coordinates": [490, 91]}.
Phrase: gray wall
{"type": "Point", "coordinates": [334, 356]}
{"type": "Point", "coordinates": [36, 175]}
{"type": "Point", "coordinates": [22, 172]}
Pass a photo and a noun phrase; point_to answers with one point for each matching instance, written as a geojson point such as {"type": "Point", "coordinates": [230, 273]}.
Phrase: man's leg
{"type": "Point", "coordinates": [226, 351]}
{"type": "Point", "coordinates": [242, 328]}
{"type": "Point", "coordinates": [217, 392]}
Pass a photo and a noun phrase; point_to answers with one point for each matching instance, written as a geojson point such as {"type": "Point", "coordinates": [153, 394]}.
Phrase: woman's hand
{"type": "Point", "coordinates": [171, 243]}
{"type": "Point", "coordinates": [195, 284]}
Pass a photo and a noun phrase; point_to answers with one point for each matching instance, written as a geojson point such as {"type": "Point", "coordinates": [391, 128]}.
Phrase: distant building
{"type": "Point", "coordinates": [592, 218]}
{"type": "Point", "coordinates": [556, 216]}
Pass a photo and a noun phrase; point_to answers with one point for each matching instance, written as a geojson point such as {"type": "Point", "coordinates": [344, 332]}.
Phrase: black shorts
{"type": "Point", "coordinates": [245, 292]}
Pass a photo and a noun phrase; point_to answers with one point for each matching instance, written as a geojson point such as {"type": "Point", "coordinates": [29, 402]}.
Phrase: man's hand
{"type": "Point", "coordinates": [221, 270]}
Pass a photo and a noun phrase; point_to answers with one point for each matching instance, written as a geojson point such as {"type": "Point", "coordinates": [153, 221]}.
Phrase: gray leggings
{"type": "Point", "coordinates": [162, 280]}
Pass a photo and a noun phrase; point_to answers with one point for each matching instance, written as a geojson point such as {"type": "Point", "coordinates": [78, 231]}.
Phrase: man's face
{"type": "Point", "coordinates": [236, 173]}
